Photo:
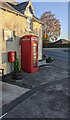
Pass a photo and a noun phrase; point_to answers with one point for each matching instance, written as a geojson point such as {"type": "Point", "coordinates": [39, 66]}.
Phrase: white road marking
{"type": "Point", "coordinates": [3, 115]}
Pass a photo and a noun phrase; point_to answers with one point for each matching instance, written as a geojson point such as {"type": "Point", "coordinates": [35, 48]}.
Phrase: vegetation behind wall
{"type": "Point", "coordinates": [53, 45]}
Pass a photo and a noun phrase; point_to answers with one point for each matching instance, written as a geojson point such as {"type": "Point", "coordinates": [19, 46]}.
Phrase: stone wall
{"type": "Point", "coordinates": [15, 23]}
{"type": "Point", "coordinates": [0, 39]}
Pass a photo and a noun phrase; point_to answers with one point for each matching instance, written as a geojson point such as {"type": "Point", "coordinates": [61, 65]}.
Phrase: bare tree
{"type": "Point", "coordinates": [52, 27]}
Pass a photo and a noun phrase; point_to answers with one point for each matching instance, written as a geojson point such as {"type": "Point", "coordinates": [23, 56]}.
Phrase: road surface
{"type": "Point", "coordinates": [51, 101]}
{"type": "Point", "coordinates": [61, 58]}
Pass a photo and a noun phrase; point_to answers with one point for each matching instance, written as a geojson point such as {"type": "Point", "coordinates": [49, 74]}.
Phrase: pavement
{"type": "Point", "coordinates": [9, 93]}
{"type": "Point", "coordinates": [46, 92]}
{"type": "Point", "coordinates": [47, 73]}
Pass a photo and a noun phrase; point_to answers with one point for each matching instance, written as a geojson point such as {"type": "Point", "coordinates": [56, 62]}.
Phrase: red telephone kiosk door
{"type": "Point", "coordinates": [29, 53]}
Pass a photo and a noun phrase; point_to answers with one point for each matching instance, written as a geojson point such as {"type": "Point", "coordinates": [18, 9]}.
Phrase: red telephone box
{"type": "Point", "coordinates": [11, 56]}
{"type": "Point", "coordinates": [29, 53]}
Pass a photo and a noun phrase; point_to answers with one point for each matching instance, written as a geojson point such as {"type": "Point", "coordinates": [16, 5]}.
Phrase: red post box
{"type": "Point", "coordinates": [29, 53]}
{"type": "Point", "coordinates": [11, 56]}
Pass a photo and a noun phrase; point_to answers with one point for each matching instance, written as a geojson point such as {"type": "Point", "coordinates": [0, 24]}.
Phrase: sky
{"type": "Point", "coordinates": [60, 9]}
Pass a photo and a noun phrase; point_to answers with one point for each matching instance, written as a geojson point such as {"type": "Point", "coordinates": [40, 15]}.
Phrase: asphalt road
{"type": "Point", "coordinates": [57, 53]}
{"type": "Point", "coordinates": [51, 101]}
{"type": "Point", "coordinates": [62, 59]}
{"type": "Point", "coordinates": [48, 102]}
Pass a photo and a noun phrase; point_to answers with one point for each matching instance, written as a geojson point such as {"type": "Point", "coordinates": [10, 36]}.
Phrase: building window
{"type": "Point", "coordinates": [7, 35]}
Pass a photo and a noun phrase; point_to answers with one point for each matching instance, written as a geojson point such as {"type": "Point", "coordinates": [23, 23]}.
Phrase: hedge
{"type": "Point", "coordinates": [52, 45]}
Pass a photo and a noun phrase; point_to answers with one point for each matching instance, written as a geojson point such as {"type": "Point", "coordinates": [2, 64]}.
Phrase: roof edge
{"type": "Point", "coordinates": [12, 11]}
{"type": "Point", "coordinates": [37, 19]}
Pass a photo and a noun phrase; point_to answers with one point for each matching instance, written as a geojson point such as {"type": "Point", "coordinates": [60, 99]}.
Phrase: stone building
{"type": "Point", "coordinates": [17, 19]}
